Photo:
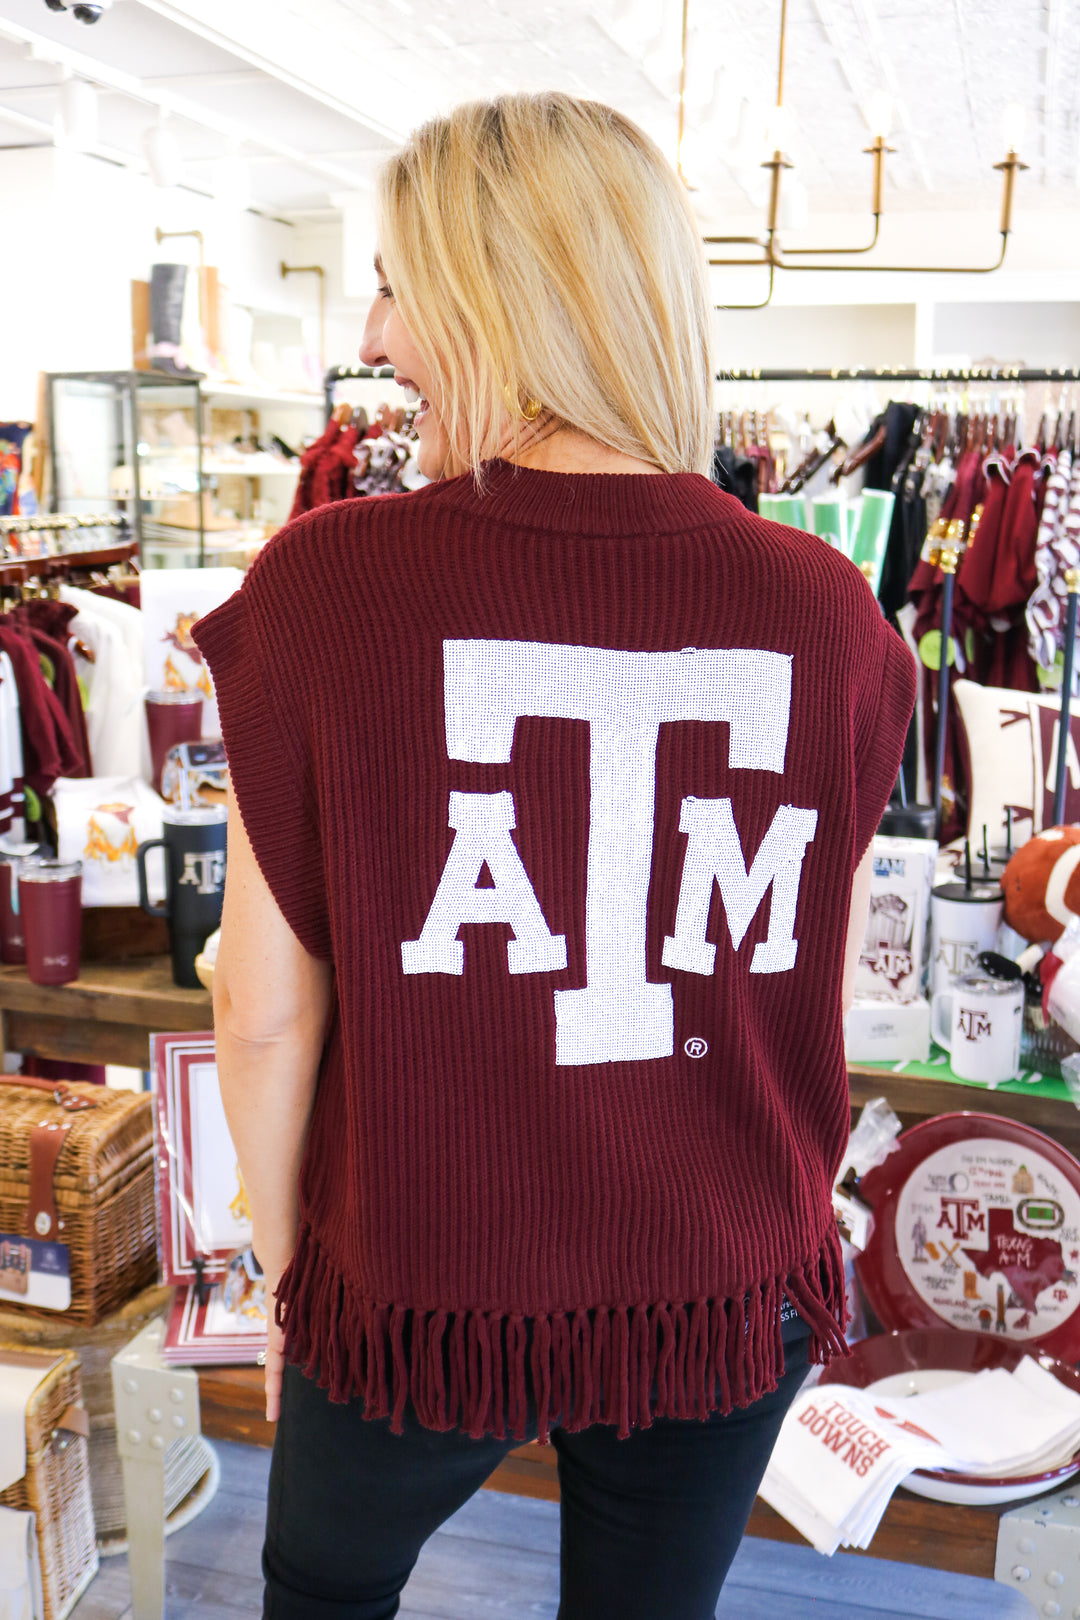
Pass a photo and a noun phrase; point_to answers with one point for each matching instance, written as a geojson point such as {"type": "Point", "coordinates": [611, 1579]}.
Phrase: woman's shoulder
{"type": "Point", "coordinates": [337, 534]}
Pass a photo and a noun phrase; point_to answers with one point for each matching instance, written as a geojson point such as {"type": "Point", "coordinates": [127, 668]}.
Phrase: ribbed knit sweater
{"type": "Point", "coordinates": [568, 775]}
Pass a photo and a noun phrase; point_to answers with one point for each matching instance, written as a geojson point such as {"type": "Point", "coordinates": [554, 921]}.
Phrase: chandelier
{"type": "Point", "coordinates": [773, 256]}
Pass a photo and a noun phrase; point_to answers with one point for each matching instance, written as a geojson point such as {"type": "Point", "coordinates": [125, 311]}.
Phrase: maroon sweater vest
{"type": "Point", "coordinates": [568, 776]}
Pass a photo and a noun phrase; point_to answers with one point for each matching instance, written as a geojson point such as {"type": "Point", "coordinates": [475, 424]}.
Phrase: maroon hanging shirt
{"type": "Point", "coordinates": [568, 777]}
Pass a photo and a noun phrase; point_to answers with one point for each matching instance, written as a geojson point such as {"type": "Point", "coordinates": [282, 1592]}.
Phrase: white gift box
{"type": "Point", "coordinates": [881, 1030]}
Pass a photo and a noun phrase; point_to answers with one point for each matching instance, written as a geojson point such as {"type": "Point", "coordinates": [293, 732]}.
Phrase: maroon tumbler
{"type": "Point", "coordinates": [12, 943]}
{"type": "Point", "coordinates": [50, 899]}
{"type": "Point", "coordinates": [171, 718]}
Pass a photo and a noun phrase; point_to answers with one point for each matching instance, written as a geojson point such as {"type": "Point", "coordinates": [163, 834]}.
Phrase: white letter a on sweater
{"type": "Point", "coordinates": [482, 825]}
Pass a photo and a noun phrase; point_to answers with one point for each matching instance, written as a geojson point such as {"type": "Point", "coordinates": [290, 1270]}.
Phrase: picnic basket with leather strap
{"type": "Point", "coordinates": [56, 1485]}
{"type": "Point", "coordinates": [77, 1168]}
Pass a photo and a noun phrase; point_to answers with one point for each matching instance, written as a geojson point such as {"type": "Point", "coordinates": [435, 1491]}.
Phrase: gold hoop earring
{"type": "Point", "coordinates": [529, 411]}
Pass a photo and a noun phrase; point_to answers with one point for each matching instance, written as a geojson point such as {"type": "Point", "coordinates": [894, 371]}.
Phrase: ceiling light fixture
{"type": "Point", "coordinates": [76, 123]}
{"type": "Point", "coordinates": [162, 153]}
{"type": "Point", "coordinates": [879, 114]}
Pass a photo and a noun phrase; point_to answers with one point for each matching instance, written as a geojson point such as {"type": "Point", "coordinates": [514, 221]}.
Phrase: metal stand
{"type": "Point", "coordinates": [947, 562]}
{"type": "Point", "coordinates": [1072, 582]}
{"type": "Point", "coordinates": [155, 1404]}
{"type": "Point", "coordinates": [1038, 1552]}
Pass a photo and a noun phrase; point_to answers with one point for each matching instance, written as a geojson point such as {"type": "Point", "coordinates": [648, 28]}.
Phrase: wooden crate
{"type": "Point", "coordinates": [56, 1485]}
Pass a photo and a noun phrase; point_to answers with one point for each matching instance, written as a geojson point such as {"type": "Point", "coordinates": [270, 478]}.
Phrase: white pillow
{"type": "Point", "coordinates": [1007, 741]}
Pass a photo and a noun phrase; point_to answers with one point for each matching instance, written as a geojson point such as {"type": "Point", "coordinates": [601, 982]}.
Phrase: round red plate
{"type": "Point", "coordinates": [886, 1354]}
{"type": "Point", "coordinates": [977, 1227]}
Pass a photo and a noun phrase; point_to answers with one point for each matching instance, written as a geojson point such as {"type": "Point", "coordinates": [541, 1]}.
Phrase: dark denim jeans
{"type": "Point", "coordinates": [649, 1524]}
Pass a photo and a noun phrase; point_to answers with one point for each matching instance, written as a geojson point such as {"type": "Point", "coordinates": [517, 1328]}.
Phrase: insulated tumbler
{"type": "Point", "coordinates": [193, 848]}
{"type": "Point", "coordinates": [12, 940]}
{"type": "Point", "coordinates": [171, 717]}
{"type": "Point", "coordinates": [50, 899]}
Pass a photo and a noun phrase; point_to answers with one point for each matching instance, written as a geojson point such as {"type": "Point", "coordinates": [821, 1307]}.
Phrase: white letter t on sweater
{"type": "Point", "coordinates": [618, 1016]}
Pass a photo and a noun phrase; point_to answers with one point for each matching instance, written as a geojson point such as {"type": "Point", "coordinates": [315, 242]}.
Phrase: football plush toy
{"type": "Point", "coordinates": [1042, 884]}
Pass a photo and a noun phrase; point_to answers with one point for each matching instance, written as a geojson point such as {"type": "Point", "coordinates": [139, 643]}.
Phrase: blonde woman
{"type": "Point", "coordinates": [555, 782]}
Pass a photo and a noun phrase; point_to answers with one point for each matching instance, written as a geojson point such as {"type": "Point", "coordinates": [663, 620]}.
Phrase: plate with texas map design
{"type": "Point", "coordinates": [977, 1227]}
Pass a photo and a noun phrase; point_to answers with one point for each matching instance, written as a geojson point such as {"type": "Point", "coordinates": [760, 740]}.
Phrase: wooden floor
{"type": "Point", "coordinates": [498, 1559]}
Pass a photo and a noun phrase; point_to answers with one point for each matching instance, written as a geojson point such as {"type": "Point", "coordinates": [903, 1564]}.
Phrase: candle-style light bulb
{"type": "Point", "coordinates": [879, 113]}
{"type": "Point", "coordinates": [1014, 125]}
{"type": "Point", "coordinates": [778, 130]}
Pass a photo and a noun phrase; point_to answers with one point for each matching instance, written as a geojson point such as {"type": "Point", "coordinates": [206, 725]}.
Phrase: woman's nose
{"type": "Point", "coordinates": [371, 344]}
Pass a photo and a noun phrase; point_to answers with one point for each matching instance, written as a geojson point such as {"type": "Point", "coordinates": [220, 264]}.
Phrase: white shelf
{"type": "Point", "coordinates": [243, 394]}
{"type": "Point", "coordinates": [251, 466]}
{"type": "Point", "coordinates": [254, 467]}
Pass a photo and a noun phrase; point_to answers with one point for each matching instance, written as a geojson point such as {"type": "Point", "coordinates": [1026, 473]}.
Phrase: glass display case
{"type": "Point", "coordinates": [132, 441]}
{"type": "Point", "coordinates": [205, 472]}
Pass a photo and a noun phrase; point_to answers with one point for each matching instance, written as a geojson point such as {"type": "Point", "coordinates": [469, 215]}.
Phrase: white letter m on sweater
{"type": "Point", "coordinates": [617, 1016]}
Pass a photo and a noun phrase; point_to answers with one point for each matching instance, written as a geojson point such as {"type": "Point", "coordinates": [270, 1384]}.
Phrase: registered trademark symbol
{"type": "Point", "coordinates": [696, 1047]}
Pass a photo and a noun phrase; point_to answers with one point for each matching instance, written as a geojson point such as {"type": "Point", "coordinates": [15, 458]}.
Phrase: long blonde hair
{"type": "Point", "coordinates": [541, 248]}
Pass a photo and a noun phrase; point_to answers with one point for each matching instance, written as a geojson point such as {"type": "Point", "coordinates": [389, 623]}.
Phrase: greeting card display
{"type": "Point", "coordinates": [219, 1313]}
{"type": "Point", "coordinates": [205, 1217]}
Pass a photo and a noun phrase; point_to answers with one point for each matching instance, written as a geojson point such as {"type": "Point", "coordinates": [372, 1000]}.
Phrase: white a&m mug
{"type": "Point", "coordinates": [978, 1020]}
{"type": "Point", "coordinates": [963, 922]}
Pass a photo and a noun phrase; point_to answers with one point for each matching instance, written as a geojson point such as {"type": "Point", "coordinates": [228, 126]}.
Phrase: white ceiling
{"type": "Point", "coordinates": [310, 91]}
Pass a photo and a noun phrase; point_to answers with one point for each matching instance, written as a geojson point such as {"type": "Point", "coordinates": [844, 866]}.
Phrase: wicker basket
{"type": "Point", "coordinates": [95, 1348]}
{"type": "Point", "coordinates": [103, 1186]}
{"type": "Point", "coordinates": [56, 1485]}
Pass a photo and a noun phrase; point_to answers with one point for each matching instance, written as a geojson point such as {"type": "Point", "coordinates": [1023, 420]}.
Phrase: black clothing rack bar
{"type": "Point", "coordinates": [885, 374]}
{"type": "Point", "coordinates": [42, 523]}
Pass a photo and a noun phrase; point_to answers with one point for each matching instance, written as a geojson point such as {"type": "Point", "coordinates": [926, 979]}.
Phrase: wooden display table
{"type": "Point", "coordinates": [107, 1016]}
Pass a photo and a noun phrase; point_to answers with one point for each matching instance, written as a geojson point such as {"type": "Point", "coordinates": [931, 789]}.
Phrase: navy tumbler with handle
{"type": "Point", "coordinates": [193, 848]}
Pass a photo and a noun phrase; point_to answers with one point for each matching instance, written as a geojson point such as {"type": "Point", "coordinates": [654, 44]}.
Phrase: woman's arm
{"type": "Point", "coordinates": [858, 916]}
{"type": "Point", "coordinates": [271, 1006]}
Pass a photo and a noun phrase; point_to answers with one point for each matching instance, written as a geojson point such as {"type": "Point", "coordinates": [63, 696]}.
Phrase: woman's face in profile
{"type": "Point", "coordinates": [388, 341]}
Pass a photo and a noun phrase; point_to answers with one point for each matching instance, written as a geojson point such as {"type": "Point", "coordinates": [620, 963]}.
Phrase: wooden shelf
{"type": "Point", "coordinates": [105, 1016]}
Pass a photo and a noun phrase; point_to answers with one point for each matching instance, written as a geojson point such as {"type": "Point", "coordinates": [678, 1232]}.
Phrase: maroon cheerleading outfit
{"type": "Point", "coordinates": [568, 775]}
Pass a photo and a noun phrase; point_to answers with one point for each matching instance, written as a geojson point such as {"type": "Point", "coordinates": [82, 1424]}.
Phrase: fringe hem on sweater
{"type": "Point", "coordinates": [467, 1369]}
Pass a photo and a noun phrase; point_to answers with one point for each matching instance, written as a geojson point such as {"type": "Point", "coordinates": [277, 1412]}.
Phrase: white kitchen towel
{"type": "Point", "coordinates": [838, 1459]}
{"type": "Point", "coordinates": [173, 600]}
{"type": "Point", "coordinates": [101, 820]}
{"type": "Point", "coordinates": [999, 1422]}
{"type": "Point", "coordinates": [21, 1596]}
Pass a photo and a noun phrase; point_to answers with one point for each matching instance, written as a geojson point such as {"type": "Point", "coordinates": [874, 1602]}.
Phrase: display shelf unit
{"type": "Point", "coordinates": [100, 424]}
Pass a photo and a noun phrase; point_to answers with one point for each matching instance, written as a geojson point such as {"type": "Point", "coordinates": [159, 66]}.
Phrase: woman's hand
{"type": "Point", "coordinates": [275, 1355]}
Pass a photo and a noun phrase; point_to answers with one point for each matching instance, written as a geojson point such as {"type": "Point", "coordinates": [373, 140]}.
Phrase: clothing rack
{"type": "Point", "coordinates": [18, 569]}
{"type": "Point", "coordinates": [338, 374]}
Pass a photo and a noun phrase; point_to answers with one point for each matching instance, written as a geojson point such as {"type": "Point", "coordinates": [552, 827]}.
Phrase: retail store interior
{"type": "Point", "coordinates": [887, 194]}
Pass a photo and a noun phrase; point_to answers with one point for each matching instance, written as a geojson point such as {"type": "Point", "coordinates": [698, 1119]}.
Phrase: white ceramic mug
{"type": "Point", "coordinates": [963, 922]}
{"type": "Point", "coordinates": [978, 1020]}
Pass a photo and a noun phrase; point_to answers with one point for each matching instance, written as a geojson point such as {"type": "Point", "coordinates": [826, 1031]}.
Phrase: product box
{"type": "Point", "coordinates": [892, 962]}
{"type": "Point", "coordinates": [881, 1030]}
